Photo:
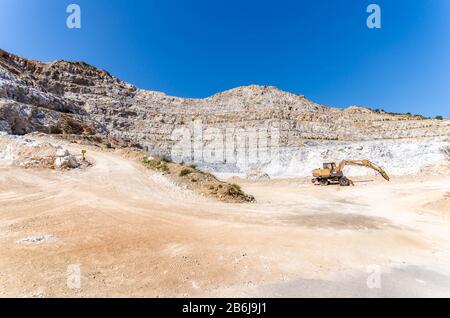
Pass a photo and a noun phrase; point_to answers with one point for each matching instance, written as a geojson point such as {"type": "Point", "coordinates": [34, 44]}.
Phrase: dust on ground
{"type": "Point", "coordinates": [133, 232]}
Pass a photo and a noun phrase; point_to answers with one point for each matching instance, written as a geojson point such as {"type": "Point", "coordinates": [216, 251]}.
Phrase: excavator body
{"type": "Point", "coordinates": [331, 173]}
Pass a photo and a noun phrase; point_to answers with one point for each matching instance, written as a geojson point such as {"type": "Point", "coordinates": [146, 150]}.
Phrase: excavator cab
{"type": "Point", "coordinates": [330, 166]}
{"type": "Point", "coordinates": [329, 170]}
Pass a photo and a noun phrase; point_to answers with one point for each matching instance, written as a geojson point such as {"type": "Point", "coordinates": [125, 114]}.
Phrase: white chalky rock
{"type": "Point", "coordinates": [62, 152]}
{"type": "Point", "coordinates": [36, 240]}
{"type": "Point", "coordinates": [67, 162]}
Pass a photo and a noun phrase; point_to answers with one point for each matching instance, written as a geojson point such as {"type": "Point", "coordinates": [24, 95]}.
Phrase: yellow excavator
{"type": "Point", "coordinates": [333, 174]}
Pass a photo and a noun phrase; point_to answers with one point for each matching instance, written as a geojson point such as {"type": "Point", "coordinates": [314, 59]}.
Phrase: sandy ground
{"type": "Point", "coordinates": [131, 232]}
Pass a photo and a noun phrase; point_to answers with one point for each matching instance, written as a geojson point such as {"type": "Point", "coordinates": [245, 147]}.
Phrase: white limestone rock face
{"type": "Point", "coordinates": [76, 98]}
{"type": "Point", "coordinates": [397, 157]}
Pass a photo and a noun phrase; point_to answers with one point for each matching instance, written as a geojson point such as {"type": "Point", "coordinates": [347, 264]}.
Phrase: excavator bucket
{"type": "Point", "coordinates": [378, 169]}
{"type": "Point", "coordinates": [384, 175]}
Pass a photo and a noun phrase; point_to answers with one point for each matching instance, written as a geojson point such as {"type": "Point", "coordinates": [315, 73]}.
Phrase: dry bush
{"type": "Point", "coordinates": [185, 171]}
{"type": "Point", "coordinates": [156, 164]}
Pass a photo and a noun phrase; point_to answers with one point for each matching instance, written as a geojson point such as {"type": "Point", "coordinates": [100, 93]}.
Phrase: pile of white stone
{"type": "Point", "coordinates": [65, 160]}
{"type": "Point", "coordinates": [29, 153]}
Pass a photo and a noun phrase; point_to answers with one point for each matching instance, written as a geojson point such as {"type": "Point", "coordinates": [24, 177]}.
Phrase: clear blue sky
{"type": "Point", "coordinates": [195, 48]}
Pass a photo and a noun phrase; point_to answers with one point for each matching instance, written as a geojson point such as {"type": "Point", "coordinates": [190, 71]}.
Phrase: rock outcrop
{"type": "Point", "coordinates": [75, 98]}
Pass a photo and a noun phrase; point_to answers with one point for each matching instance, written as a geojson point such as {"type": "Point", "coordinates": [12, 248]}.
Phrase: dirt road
{"type": "Point", "coordinates": [131, 232]}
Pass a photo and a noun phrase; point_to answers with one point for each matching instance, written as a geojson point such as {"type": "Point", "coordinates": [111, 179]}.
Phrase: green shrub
{"type": "Point", "coordinates": [234, 190]}
{"type": "Point", "coordinates": [164, 167]}
{"type": "Point", "coordinates": [439, 117]}
{"type": "Point", "coordinates": [156, 164]}
{"type": "Point", "coordinates": [185, 172]}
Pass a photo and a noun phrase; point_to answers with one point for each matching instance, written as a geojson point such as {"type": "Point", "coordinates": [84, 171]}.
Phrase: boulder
{"type": "Point", "coordinates": [66, 162]}
{"type": "Point", "coordinates": [61, 152]}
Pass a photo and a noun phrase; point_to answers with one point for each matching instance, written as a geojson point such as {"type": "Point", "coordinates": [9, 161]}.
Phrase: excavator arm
{"type": "Point", "coordinates": [363, 163]}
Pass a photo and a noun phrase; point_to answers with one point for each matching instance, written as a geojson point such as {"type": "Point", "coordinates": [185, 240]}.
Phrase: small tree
{"type": "Point", "coordinates": [439, 117]}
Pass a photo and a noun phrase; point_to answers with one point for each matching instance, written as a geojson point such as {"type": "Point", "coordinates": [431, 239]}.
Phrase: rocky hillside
{"type": "Point", "coordinates": [75, 98]}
